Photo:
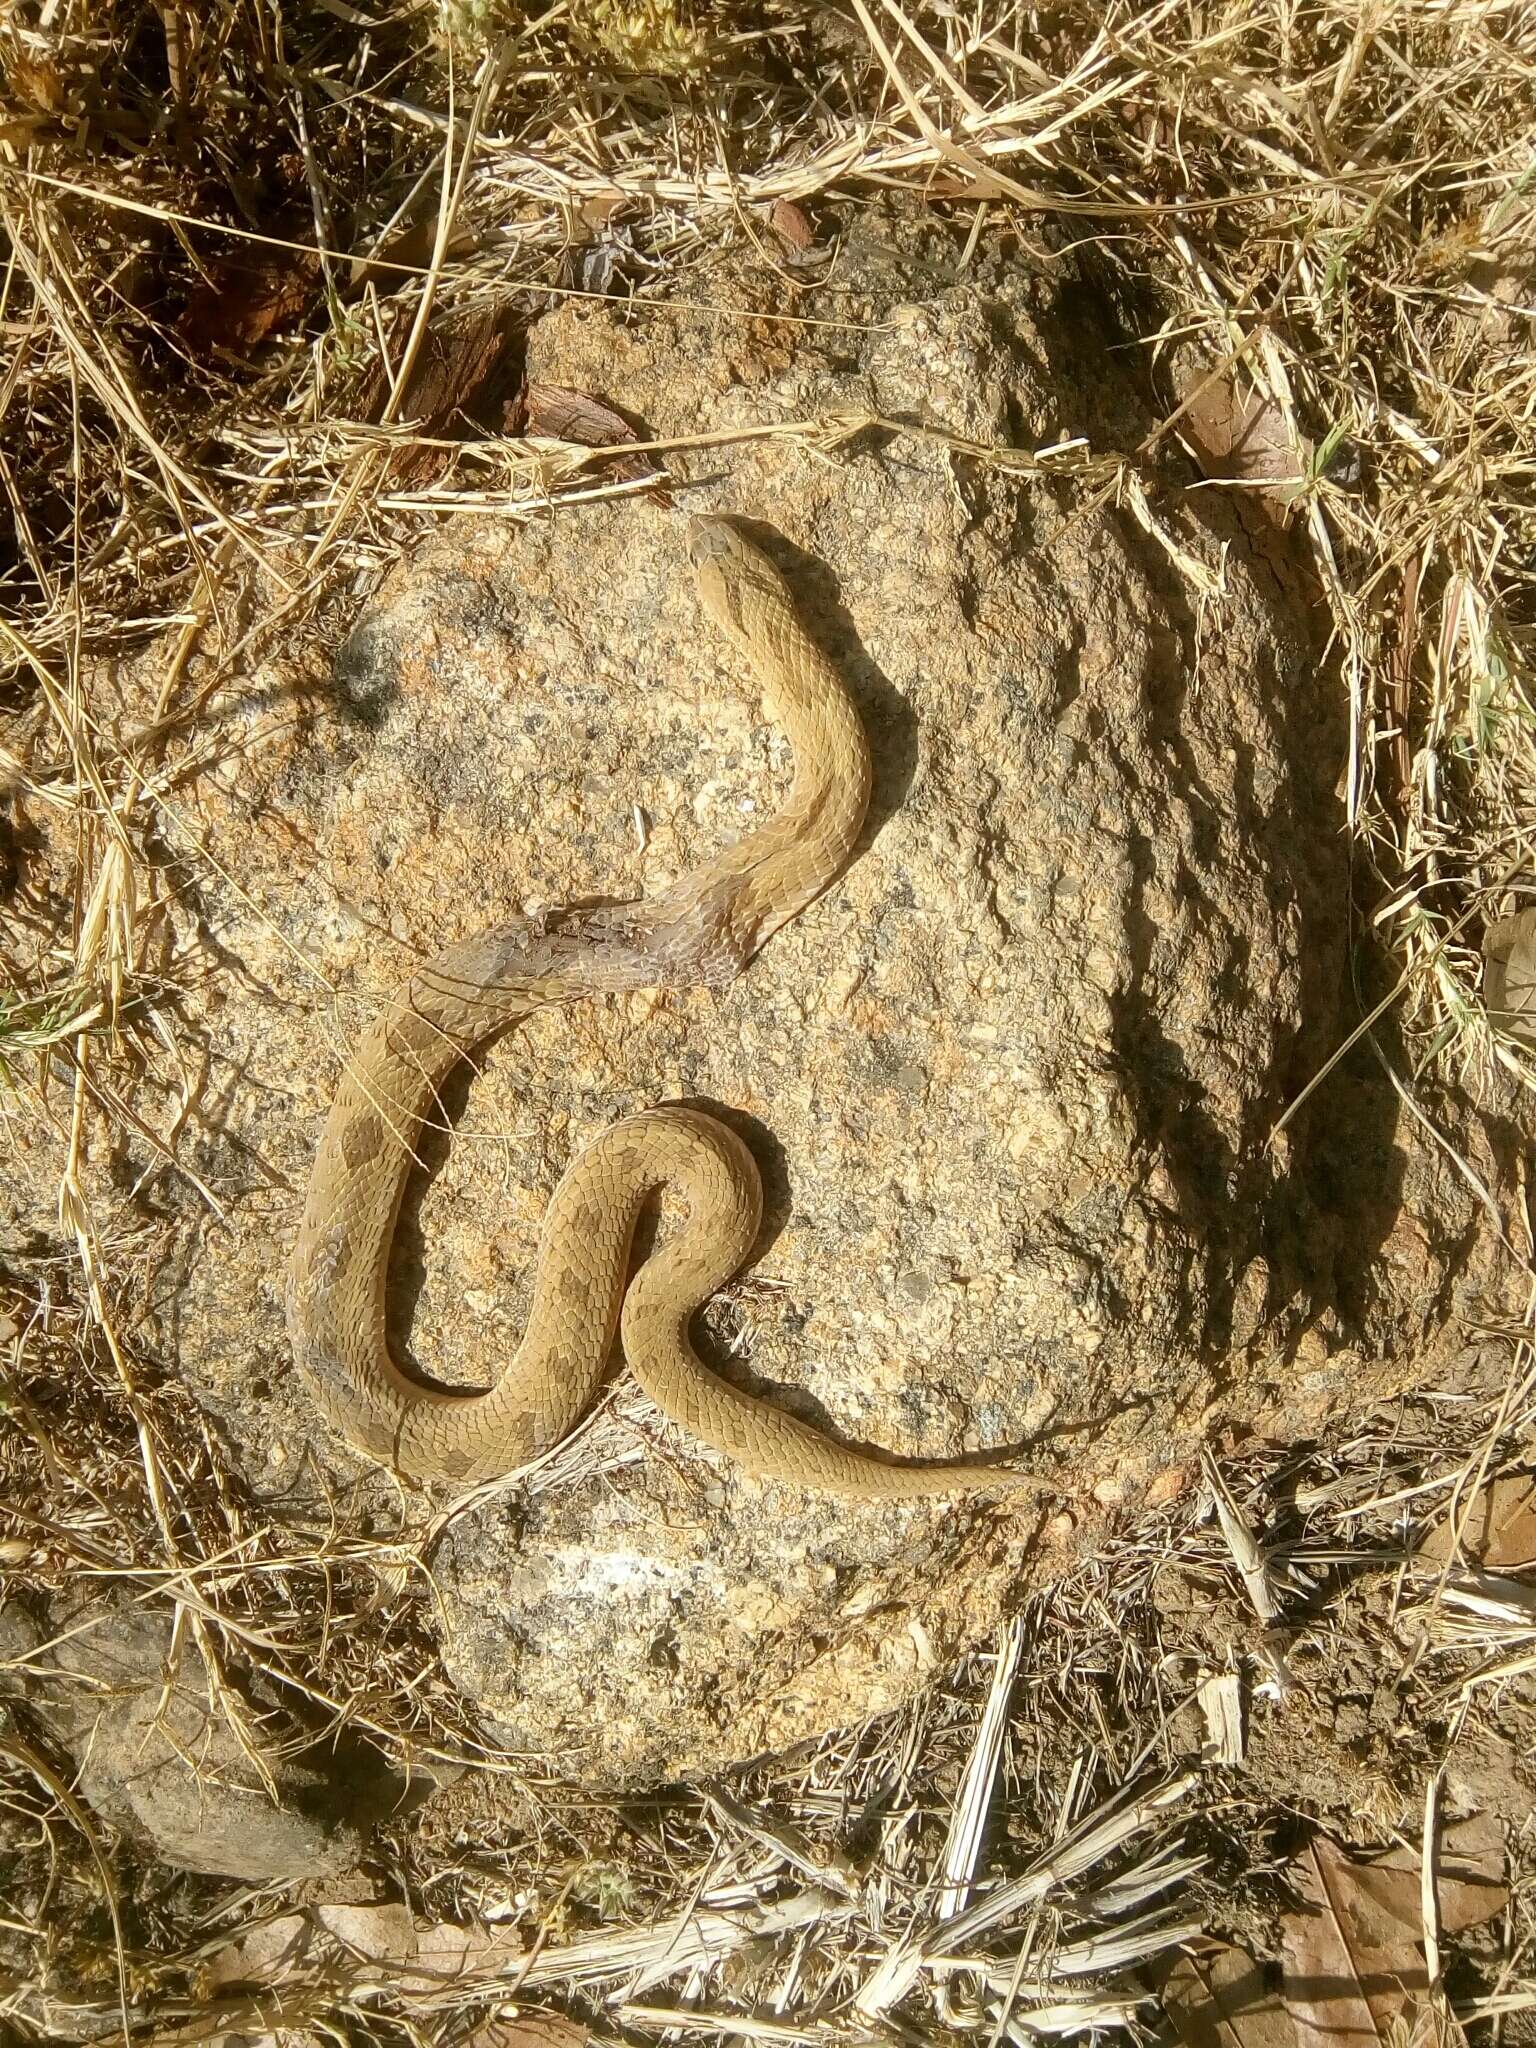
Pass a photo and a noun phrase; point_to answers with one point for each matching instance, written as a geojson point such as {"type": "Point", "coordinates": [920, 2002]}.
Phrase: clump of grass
{"type": "Point", "coordinates": [661, 38]}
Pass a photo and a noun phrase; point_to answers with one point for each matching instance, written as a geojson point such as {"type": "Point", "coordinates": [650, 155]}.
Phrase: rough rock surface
{"type": "Point", "coordinates": [157, 1762]}
{"type": "Point", "coordinates": [1011, 1081]}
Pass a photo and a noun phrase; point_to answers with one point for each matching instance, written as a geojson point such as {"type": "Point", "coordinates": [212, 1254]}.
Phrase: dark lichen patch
{"type": "Point", "coordinates": [366, 677]}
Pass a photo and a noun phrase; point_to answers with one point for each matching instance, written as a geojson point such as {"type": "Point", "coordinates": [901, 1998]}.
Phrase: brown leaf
{"type": "Point", "coordinates": [792, 229]}
{"type": "Point", "coordinates": [601, 208]}
{"type": "Point", "coordinates": [409, 248]}
{"type": "Point", "coordinates": [1237, 435]}
{"type": "Point", "coordinates": [37, 80]}
{"type": "Point", "coordinates": [563, 414]}
{"type": "Point", "coordinates": [1384, 1896]}
{"type": "Point", "coordinates": [1216, 1997]}
{"type": "Point", "coordinates": [955, 185]}
{"type": "Point", "coordinates": [343, 1942]}
{"type": "Point", "coordinates": [1353, 1959]}
{"type": "Point", "coordinates": [1509, 975]}
{"type": "Point", "coordinates": [465, 380]}
{"type": "Point", "coordinates": [1498, 1530]}
{"type": "Point", "coordinates": [246, 298]}
{"type": "Point", "coordinates": [1322, 1989]}
{"type": "Point", "coordinates": [792, 225]}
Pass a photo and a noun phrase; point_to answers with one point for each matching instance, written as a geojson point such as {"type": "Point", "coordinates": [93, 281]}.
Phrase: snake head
{"type": "Point", "coordinates": [730, 572]}
{"type": "Point", "coordinates": [710, 537]}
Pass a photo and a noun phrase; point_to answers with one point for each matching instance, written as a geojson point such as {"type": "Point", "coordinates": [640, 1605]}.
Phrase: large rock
{"type": "Point", "coordinates": [160, 1759]}
{"type": "Point", "coordinates": [1011, 1081]}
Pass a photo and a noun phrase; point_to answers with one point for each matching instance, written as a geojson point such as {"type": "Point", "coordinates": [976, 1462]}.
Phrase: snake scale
{"type": "Point", "coordinates": [700, 932]}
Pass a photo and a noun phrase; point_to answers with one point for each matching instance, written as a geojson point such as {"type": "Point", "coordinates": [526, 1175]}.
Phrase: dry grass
{"type": "Point", "coordinates": [1333, 205]}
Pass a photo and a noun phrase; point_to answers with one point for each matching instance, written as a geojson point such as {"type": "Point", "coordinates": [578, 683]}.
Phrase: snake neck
{"type": "Point", "coordinates": [722, 913]}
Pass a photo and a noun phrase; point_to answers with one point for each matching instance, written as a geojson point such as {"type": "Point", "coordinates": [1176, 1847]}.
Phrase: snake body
{"type": "Point", "coordinates": [702, 931]}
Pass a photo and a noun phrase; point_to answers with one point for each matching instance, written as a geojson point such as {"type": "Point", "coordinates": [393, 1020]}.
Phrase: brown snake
{"type": "Point", "coordinates": [702, 931]}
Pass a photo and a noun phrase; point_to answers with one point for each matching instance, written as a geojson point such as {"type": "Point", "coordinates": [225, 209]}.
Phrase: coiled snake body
{"type": "Point", "coordinates": [702, 931]}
